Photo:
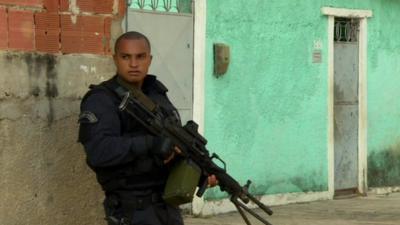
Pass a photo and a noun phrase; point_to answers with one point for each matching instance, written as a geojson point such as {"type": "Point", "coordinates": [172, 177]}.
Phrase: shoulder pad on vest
{"type": "Point", "coordinates": [97, 88]}
{"type": "Point", "coordinates": [160, 87]}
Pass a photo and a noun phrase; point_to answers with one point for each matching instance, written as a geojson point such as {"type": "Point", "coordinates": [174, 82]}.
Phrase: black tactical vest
{"type": "Point", "coordinates": [145, 173]}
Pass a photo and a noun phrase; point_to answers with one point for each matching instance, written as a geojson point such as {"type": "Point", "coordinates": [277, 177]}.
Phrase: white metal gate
{"type": "Point", "coordinates": [169, 26]}
{"type": "Point", "coordinates": [346, 116]}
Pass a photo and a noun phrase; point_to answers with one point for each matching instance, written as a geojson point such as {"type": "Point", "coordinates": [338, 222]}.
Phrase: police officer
{"type": "Point", "coordinates": [131, 165]}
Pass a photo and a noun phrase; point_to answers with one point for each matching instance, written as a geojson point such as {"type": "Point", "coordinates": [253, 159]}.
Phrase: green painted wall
{"type": "Point", "coordinates": [267, 117]}
{"type": "Point", "coordinates": [383, 95]}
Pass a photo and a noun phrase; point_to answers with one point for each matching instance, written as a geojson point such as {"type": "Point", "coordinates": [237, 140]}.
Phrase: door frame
{"type": "Point", "coordinates": [199, 61]}
{"type": "Point", "coordinates": [362, 15]}
{"type": "Point", "coordinates": [199, 65]}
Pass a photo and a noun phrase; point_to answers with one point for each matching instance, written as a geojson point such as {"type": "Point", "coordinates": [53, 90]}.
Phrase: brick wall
{"type": "Point", "coordinates": [58, 26]}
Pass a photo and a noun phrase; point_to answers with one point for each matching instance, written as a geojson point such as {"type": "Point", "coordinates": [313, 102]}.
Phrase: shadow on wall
{"type": "Point", "coordinates": [384, 167]}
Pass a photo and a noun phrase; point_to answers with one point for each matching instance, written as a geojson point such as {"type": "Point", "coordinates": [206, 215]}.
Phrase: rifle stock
{"type": "Point", "coordinates": [193, 146]}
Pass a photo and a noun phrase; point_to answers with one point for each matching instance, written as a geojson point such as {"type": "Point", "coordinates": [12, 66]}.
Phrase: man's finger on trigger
{"type": "Point", "coordinates": [178, 150]}
{"type": "Point", "coordinates": [169, 158]}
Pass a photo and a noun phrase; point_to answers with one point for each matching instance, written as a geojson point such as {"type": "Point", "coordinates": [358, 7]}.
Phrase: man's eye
{"type": "Point", "coordinates": [125, 57]}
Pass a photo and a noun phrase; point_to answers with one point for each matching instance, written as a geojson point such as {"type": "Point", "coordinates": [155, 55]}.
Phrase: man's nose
{"type": "Point", "coordinates": [133, 62]}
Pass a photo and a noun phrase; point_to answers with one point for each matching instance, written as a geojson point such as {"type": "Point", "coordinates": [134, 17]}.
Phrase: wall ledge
{"type": "Point", "coordinates": [341, 12]}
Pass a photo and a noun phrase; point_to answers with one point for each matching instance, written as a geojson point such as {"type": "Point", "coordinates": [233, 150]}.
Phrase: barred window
{"type": "Point", "coordinates": [346, 30]}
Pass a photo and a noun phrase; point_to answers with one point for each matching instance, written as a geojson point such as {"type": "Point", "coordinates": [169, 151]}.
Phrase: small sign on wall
{"type": "Point", "coordinates": [317, 52]}
{"type": "Point", "coordinates": [221, 58]}
{"type": "Point", "coordinates": [317, 56]}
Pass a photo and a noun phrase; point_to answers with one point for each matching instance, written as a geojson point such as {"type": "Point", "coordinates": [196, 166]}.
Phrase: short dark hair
{"type": "Point", "coordinates": [131, 35]}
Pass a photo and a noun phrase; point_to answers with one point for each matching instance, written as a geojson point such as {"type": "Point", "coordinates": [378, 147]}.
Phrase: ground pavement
{"type": "Point", "coordinates": [374, 209]}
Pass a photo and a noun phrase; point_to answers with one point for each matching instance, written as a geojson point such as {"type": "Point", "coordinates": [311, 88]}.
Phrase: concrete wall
{"type": "Point", "coordinates": [267, 117]}
{"type": "Point", "coordinates": [50, 53]}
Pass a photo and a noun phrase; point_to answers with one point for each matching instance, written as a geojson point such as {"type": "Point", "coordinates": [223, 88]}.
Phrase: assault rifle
{"type": "Point", "coordinates": [192, 145]}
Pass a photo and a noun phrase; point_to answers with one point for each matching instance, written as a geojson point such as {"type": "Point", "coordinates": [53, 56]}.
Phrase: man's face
{"type": "Point", "coordinates": [133, 60]}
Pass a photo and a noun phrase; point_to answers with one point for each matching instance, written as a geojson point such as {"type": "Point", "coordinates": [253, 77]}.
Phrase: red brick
{"type": "Point", "coordinates": [93, 44]}
{"type": "Point", "coordinates": [70, 43]}
{"type": "Point", "coordinates": [71, 37]}
{"type": "Point", "coordinates": [47, 32]}
{"type": "Point", "coordinates": [82, 24]}
{"type": "Point", "coordinates": [84, 36]}
{"type": "Point", "coordinates": [105, 7]}
{"type": "Point", "coordinates": [121, 8]}
{"type": "Point", "coordinates": [64, 5]}
{"type": "Point", "coordinates": [51, 5]}
{"type": "Point", "coordinates": [82, 44]}
{"type": "Point", "coordinates": [93, 24]}
{"type": "Point", "coordinates": [86, 5]}
{"type": "Point", "coordinates": [107, 25]}
{"type": "Point", "coordinates": [21, 29]}
{"type": "Point", "coordinates": [3, 28]}
{"type": "Point", "coordinates": [47, 41]}
{"type": "Point", "coordinates": [47, 21]}
{"type": "Point", "coordinates": [34, 3]}
{"type": "Point", "coordinates": [94, 6]}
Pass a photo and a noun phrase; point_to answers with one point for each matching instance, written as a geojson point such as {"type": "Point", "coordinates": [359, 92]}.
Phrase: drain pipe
{"type": "Point", "coordinates": [128, 5]}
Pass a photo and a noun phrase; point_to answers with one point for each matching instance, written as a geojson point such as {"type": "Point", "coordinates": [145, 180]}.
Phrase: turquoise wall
{"type": "Point", "coordinates": [384, 95]}
{"type": "Point", "coordinates": [267, 116]}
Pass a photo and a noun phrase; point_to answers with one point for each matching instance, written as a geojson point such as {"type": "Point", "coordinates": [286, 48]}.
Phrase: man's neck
{"type": "Point", "coordinates": [127, 85]}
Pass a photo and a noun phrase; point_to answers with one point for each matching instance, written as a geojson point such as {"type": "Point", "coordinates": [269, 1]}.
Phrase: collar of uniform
{"type": "Point", "coordinates": [148, 82]}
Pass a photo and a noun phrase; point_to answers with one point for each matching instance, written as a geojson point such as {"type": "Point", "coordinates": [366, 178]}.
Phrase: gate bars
{"type": "Point", "coordinates": [172, 6]}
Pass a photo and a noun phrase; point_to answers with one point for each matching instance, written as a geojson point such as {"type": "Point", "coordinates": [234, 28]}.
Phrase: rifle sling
{"type": "Point", "coordinates": [136, 93]}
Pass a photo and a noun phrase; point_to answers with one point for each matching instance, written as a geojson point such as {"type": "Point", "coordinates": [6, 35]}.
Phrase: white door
{"type": "Point", "coordinates": [346, 116]}
{"type": "Point", "coordinates": [169, 28]}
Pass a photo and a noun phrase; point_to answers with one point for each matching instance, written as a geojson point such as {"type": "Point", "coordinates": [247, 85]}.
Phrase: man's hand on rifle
{"type": "Point", "coordinates": [164, 149]}
{"type": "Point", "coordinates": [212, 181]}
{"type": "Point", "coordinates": [172, 156]}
